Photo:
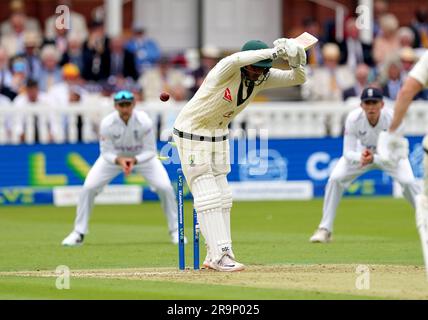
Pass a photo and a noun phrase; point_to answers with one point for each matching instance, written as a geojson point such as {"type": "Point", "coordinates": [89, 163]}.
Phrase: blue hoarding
{"type": "Point", "coordinates": [34, 170]}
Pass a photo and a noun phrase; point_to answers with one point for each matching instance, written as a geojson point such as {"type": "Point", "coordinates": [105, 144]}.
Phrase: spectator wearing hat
{"type": "Point", "coordinates": [208, 59]}
{"type": "Point", "coordinates": [96, 54]}
{"type": "Point", "coordinates": [146, 50]}
{"type": "Point", "coordinates": [66, 94]}
{"type": "Point", "coordinates": [33, 97]}
{"type": "Point", "coordinates": [31, 55]}
{"type": "Point", "coordinates": [71, 78]}
{"type": "Point", "coordinates": [78, 23]}
{"type": "Point", "coordinates": [50, 73]}
{"type": "Point", "coordinates": [333, 77]}
{"type": "Point", "coordinates": [13, 29]}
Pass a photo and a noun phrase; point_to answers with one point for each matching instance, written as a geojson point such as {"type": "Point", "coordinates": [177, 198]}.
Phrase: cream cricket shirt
{"type": "Point", "coordinates": [136, 139]}
{"type": "Point", "coordinates": [420, 70]}
{"type": "Point", "coordinates": [361, 135]}
{"type": "Point", "coordinates": [216, 103]}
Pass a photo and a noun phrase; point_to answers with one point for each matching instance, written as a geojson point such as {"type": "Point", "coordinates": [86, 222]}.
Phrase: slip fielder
{"type": "Point", "coordinates": [201, 134]}
{"type": "Point", "coordinates": [392, 145]}
{"type": "Point", "coordinates": [362, 129]}
{"type": "Point", "coordinates": [127, 143]}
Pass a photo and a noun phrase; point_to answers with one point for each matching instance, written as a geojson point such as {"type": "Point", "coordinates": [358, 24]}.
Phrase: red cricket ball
{"type": "Point", "coordinates": [164, 96]}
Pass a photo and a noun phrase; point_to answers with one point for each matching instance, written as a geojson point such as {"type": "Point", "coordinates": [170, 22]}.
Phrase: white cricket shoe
{"type": "Point", "coordinates": [207, 262]}
{"type": "Point", "coordinates": [226, 264]}
{"type": "Point", "coordinates": [322, 235]}
{"type": "Point", "coordinates": [73, 239]}
{"type": "Point", "coordinates": [174, 237]}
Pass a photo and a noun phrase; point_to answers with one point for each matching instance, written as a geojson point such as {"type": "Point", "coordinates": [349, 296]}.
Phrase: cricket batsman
{"type": "Point", "coordinates": [127, 143]}
{"type": "Point", "coordinates": [201, 134]}
{"type": "Point", "coordinates": [362, 129]}
{"type": "Point", "coordinates": [392, 145]}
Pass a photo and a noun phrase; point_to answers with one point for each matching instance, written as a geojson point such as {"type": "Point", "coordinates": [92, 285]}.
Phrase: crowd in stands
{"type": "Point", "coordinates": [65, 65]}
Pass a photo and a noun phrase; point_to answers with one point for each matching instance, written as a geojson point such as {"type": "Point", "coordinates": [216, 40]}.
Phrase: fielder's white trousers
{"type": "Point", "coordinates": [103, 172]}
{"type": "Point", "coordinates": [344, 173]}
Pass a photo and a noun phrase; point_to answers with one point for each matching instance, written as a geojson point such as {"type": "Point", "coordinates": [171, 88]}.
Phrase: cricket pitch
{"type": "Point", "coordinates": [385, 281]}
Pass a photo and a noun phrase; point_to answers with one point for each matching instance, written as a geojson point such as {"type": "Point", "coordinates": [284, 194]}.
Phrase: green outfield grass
{"type": "Point", "coordinates": [374, 232]}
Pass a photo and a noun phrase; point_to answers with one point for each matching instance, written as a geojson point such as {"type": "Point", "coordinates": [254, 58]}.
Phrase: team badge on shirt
{"type": "Point", "coordinates": [227, 95]}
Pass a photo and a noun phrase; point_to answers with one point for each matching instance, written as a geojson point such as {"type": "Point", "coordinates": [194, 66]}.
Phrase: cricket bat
{"type": "Point", "coordinates": [306, 40]}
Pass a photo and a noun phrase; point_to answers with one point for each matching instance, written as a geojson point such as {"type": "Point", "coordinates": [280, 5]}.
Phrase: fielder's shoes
{"type": "Point", "coordinates": [174, 237]}
{"type": "Point", "coordinates": [73, 239]}
{"type": "Point", "coordinates": [322, 235]}
{"type": "Point", "coordinates": [226, 264]}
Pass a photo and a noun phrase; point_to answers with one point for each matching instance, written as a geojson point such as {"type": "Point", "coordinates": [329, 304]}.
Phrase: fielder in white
{"type": "Point", "coordinates": [127, 143]}
{"type": "Point", "coordinates": [201, 134]}
{"type": "Point", "coordinates": [362, 129]}
{"type": "Point", "coordinates": [392, 145]}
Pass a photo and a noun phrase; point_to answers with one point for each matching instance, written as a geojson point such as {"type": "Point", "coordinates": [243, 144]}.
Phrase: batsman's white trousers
{"type": "Point", "coordinates": [103, 172]}
{"type": "Point", "coordinates": [344, 173]}
{"type": "Point", "coordinates": [205, 165]}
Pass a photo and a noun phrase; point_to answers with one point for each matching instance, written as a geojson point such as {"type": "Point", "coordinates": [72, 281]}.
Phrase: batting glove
{"type": "Point", "coordinates": [290, 50]}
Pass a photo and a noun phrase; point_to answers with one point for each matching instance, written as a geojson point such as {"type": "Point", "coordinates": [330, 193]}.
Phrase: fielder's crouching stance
{"type": "Point", "coordinates": [127, 143]}
{"type": "Point", "coordinates": [394, 146]}
{"type": "Point", "coordinates": [201, 134]}
{"type": "Point", "coordinates": [362, 129]}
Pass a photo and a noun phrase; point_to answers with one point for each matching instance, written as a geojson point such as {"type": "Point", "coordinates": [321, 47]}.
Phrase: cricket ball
{"type": "Point", "coordinates": [164, 96]}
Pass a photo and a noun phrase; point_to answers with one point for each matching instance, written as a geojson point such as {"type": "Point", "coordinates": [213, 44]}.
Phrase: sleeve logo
{"type": "Point", "coordinates": [227, 96]}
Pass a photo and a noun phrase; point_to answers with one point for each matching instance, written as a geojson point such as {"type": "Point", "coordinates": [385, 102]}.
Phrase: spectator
{"type": "Point", "coordinates": [74, 53]}
{"type": "Point", "coordinates": [380, 8]}
{"type": "Point", "coordinates": [146, 50]}
{"type": "Point", "coordinates": [5, 75]}
{"type": "Point", "coordinates": [362, 73]}
{"type": "Point", "coordinates": [71, 78]}
{"type": "Point", "coordinates": [328, 82]}
{"type": "Point", "coordinates": [77, 22]}
{"type": "Point", "coordinates": [44, 124]}
{"type": "Point", "coordinates": [420, 27]}
{"type": "Point", "coordinates": [96, 54]}
{"type": "Point", "coordinates": [65, 94]}
{"type": "Point", "coordinates": [354, 52]}
{"type": "Point", "coordinates": [406, 37]}
{"type": "Point", "coordinates": [408, 59]}
{"type": "Point", "coordinates": [387, 42]}
{"type": "Point", "coordinates": [50, 73]}
{"type": "Point", "coordinates": [59, 41]}
{"type": "Point", "coordinates": [13, 41]}
{"type": "Point", "coordinates": [12, 30]}
{"type": "Point", "coordinates": [31, 55]}
{"type": "Point", "coordinates": [209, 58]}
{"type": "Point", "coordinates": [394, 81]}
{"type": "Point", "coordinates": [6, 123]}
{"type": "Point", "coordinates": [122, 61]}
{"type": "Point", "coordinates": [164, 78]}
{"type": "Point", "coordinates": [18, 75]}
